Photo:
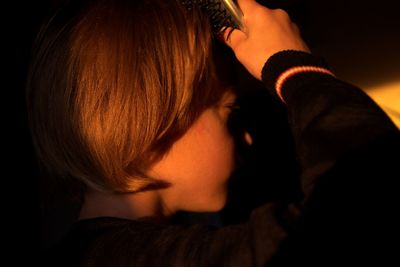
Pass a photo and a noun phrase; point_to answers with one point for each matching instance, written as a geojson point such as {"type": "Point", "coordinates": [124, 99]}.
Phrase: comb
{"type": "Point", "coordinates": [222, 13]}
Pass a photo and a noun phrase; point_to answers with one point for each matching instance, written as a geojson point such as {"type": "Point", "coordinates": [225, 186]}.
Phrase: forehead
{"type": "Point", "coordinates": [224, 62]}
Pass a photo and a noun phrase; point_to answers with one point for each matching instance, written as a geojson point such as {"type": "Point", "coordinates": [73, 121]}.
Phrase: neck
{"type": "Point", "coordinates": [146, 206]}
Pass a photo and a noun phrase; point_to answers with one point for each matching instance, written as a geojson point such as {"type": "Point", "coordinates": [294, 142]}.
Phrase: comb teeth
{"type": "Point", "coordinates": [219, 15]}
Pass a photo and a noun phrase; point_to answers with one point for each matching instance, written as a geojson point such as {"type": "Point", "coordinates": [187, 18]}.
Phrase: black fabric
{"type": "Point", "coordinates": [284, 60]}
{"type": "Point", "coordinates": [348, 151]}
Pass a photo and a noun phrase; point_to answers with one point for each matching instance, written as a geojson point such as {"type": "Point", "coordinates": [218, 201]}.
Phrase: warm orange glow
{"type": "Point", "coordinates": [388, 97]}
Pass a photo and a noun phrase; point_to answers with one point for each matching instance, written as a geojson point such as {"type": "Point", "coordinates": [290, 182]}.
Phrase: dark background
{"type": "Point", "coordinates": [360, 40]}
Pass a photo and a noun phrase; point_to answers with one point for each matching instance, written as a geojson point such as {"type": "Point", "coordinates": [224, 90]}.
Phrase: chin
{"type": "Point", "coordinates": [212, 205]}
{"type": "Point", "coordinates": [218, 208]}
{"type": "Point", "coordinates": [207, 203]}
{"type": "Point", "coordinates": [217, 204]}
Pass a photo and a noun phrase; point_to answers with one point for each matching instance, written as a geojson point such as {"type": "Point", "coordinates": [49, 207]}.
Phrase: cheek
{"type": "Point", "coordinates": [199, 166]}
{"type": "Point", "coordinates": [221, 155]}
{"type": "Point", "coordinates": [213, 162]}
{"type": "Point", "coordinates": [216, 168]}
{"type": "Point", "coordinates": [217, 149]}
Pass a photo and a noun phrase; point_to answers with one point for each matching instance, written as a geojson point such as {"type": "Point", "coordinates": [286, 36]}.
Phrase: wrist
{"type": "Point", "coordinates": [287, 74]}
{"type": "Point", "coordinates": [288, 63]}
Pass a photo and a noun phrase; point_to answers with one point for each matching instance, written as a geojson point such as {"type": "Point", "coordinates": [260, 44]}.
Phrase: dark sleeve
{"type": "Point", "coordinates": [348, 149]}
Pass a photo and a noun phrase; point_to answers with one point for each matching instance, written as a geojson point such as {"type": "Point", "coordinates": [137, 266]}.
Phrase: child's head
{"type": "Point", "coordinates": [113, 84]}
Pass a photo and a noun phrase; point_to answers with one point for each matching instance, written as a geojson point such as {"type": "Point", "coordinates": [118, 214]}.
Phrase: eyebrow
{"type": "Point", "coordinates": [228, 97]}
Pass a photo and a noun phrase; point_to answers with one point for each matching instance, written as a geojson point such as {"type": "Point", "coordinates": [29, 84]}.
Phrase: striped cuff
{"type": "Point", "coordinates": [283, 65]}
{"type": "Point", "coordinates": [296, 70]}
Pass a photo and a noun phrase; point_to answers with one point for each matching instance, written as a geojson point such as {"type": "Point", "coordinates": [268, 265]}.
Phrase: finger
{"type": "Point", "coordinates": [247, 8]}
{"type": "Point", "coordinates": [246, 5]}
{"type": "Point", "coordinates": [296, 28]}
{"type": "Point", "coordinates": [281, 12]}
{"type": "Point", "coordinates": [232, 37]}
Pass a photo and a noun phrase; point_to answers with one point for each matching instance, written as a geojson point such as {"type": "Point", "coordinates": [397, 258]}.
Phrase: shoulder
{"type": "Point", "coordinates": [121, 242]}
{"type": "Point", "coordinates": [90, 239]}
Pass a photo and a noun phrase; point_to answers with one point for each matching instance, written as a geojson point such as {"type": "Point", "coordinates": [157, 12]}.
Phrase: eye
{"type": "Point", "coordinates": [228, 104]}
{"type": "Point", "coordinates": [233, 106]}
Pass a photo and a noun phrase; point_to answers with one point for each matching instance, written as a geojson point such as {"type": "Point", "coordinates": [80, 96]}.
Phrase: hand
{"type": "Point", "coordinates": [266, 32]}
